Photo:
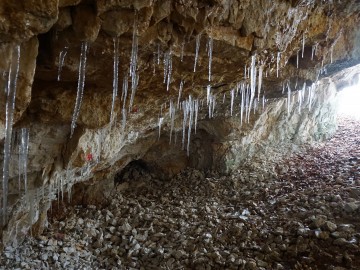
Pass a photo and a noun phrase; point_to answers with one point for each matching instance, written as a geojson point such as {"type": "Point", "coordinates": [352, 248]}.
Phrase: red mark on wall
{"type": "Point", "coordinates": [134, 110]}
{"type": "Point", "coordinates": [89, 157]}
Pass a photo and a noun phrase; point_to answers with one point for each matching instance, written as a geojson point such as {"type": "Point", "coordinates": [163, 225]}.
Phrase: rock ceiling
{"type": "Point", "coordinates": [293, 41]}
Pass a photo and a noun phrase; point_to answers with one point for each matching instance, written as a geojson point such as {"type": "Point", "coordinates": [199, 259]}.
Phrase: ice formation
{"type": "Point", "coordinates": [80, 86]}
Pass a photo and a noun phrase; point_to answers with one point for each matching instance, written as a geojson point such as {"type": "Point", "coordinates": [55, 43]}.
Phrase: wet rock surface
{"type": "Point", "coordinates": [302, 214]}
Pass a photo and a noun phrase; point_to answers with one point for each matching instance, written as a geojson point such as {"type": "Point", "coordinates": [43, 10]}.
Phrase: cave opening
{"type": "Point", "coordinates": [349, 102]}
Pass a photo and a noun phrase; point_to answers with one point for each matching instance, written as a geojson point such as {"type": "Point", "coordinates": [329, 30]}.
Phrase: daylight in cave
{"type": "Point", "coordinates": [349, 99]}
{"type": "Point", "coordinates": [154, 134]}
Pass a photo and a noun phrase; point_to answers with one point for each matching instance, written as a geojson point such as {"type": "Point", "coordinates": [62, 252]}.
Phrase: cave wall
{"type": "Point", "coordinates": [222, 144]}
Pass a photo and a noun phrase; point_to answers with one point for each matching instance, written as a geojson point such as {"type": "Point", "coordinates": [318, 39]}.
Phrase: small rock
{"type": "Point", "coordinates": [319, 221]}
{"type": "Point", "coordinates": [340, 242]}
{"type": "Point", "coordinates": [351, 207]}
{"type": "Point", "coordinates": [329, 226]}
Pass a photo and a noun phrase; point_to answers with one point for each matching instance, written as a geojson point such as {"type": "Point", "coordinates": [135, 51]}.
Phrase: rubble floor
{"type": "Point", "coordinates": [303, 213]}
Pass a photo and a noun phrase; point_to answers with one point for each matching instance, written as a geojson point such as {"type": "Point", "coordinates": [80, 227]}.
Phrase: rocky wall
{"type": "Point", "coordinates": [222, 144]}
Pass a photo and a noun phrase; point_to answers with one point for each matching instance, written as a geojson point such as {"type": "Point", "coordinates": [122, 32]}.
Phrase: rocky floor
{"type": "Point", "coordinates": [301, 214]}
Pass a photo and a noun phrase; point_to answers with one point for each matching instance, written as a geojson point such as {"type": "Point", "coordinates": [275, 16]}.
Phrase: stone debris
{"type": "Point", "coordinates": [304, 217]}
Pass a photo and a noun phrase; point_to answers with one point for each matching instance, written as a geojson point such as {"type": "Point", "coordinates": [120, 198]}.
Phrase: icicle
{"type": "Point", "coordinates": [135, 81]}
{"type": "Point", "coordinates": [180, 92]}
{"type": "Point", "coordinates": [248, 104]}
{"type": "Point", "coordinates": [10, 106]}
{"type": "Point", "coordinates": [169, 72]}
{"type": "Point", "coordinates": [24, 154]}
{"type": "Point", "coordinates": [313, 51]}
{"type": "Point", "coordinates": [297, 59]}
{"type": "Point", "coordinates": [191, 114]}
{"type": "Point", "coordinates": [154, 63]}
{"type": "Point", "coordinates": [196, 105]}
{"type": "Point", "coordinates": [252, 82]}
{"type": "Point", "coordinates": [278, 64]}
{"type": "Point", "coordinates": [300, 99]}
{"type": "Point", "coordinates": [331, 54]}
{"type": "Point", "coordinates": [19, 166]}
{"type": "Point", "coordinates": [62, 56]}
{"type": "Point", "coordinates": [223, 98]}
{"type": "Point", "coordinates": [185, 116]}
{"type": "Point", "coordinates": [208, 93]}
{"type": "Point", "coordinates": [263, 102]}
{"type": "Point", "coordinates": [123, 125]}
{"type": "Point", "coordinates": [158, 54]}
{"type": "Point", "coordinates": [161, 120]}
{"type": "Point", "coordinates": [288, 99]}
{"type": "Point", "coordinates": [80, 86]}
{"type": "Point", "coordinates": [210, 51]}
{"type": "Point", "coordinates": [303, 46]}
{"type": "Point", "coordinates": [198, 38]}
{"type": "Point", "coordinates": [172, 112]}
{"type": "Point", "coordinates": [182, 51]}
{"type": "Point", "coordinates": [245, 76]}
{"type": "Point", "coordinates": [116, 77]}
{"type": "Point", "coordinates": [166, 65]}
{"type": "Point", "coordinates": [133, 63]}
{"type": "Point", "coordinates": [125, 89]}
{"type": "Point", "coordinates": [213, 105]}
{"type": "Point", "coordinates": [260, 78]}
{"type": "Point", "coordinates": [210, 105]}
{"type": "Point", "coordinates": [310, 96]}
{"type": "Point", "coordinates": [237, 89]}
{"type": "Point", "coordinates": [232, 101]}
{"type": "Point", "coordinates": [242, 104]}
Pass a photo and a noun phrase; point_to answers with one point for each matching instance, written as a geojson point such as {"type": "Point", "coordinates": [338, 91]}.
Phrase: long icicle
{"type": "Point", "coordinates": [198, 38]}
{"type": "Point", "coordinates": [185, 116]}
{"type": "Point", "coordinates": [172, 112]}
{"type": "Point", "coordinates": [133, 63]}
{"type": "Point", "coordinates": [210, 52]}
{"type": "Point", "coordinates": [10, 106]}
{"type": "Point", "coordinates": [125, 89]}
{"type": "Point", "coordinates": [24, 154]}
{"type": "Point", "coordinates": [260, 78]}
{"type": "Point", "coordinates": [80, 86]}
{"type": "Point", "coordinates": [278, 64]}
{"type": "Point", "coordinates": [196, 107]}
{"type": "Point", "coordinates": [115, 78]}
{"type": "Point", "coordinates": [242, 104]}
{"type": "Point", "coordinates": [180, 92]}
{"type": "Point", "coordinates": [303, 46]}
{"type": "Point", "coordinates": [191, 113]}
{"type": "Point", "coordinates": [161, 120]}
{"type": "Point", "coordinates": [288, 99]}
{"type": "Point", "coordinates": [252, 82]}
{"type": "Point", "coordinates": [62, 56]}
{"type": "Point", "coordinates": [169, 72]}
{"type": "Point", "coordinates": [232, 101]}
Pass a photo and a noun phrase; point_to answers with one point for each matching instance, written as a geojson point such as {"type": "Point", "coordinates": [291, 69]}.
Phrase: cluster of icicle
{"type": "Point", "coordinates": [245, 98]}
{"type": "Point", "coordinates": [22, 137]}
